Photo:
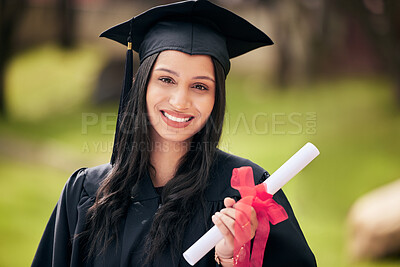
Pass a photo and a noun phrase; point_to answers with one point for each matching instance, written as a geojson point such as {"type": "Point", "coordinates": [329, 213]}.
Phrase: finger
{"type": "Point", "coordinates": [229, 202]}
{"type": "Point", "coordinates": [246, 208]}
{"type": "Point", "coordinates": [232, 212]}
{"type": "Point", "coordinates": [228, 221]}
{"type": "Point", "coordinates": [246, 224]}
{"type": "Point", "coordinates": [246, 216]}
{"type": "Point", "coordinates": [252, 216]}
{"type": "Point", "coordinates": [254, 221]}
{"type": "Point", "coordinates": [240, 227]}
{"type": "Point", "coordinates": [229, 212]}
{"type": "Point", "coordinates": [223, 228]}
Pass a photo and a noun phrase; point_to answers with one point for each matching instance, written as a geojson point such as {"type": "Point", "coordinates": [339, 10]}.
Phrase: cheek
{"type": "Point", "coordinates": [151, 102]}
{"type": "Point", "coordinates": [207, 106]}
{"type": "Point", "coordinates": [152, 97]}
{"type": "Point", "coordinates": [148, 101]}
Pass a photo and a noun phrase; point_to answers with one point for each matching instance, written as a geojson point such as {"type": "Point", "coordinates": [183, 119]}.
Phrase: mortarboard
{"type": "Point", "coordinates": [193, 27]}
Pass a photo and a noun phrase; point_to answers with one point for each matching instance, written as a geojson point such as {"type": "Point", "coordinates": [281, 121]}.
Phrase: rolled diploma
{"type": "Point", "coordinates": [275, 182]}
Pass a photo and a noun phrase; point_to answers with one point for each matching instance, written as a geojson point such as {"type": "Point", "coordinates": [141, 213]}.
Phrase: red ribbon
{"type": "Point", "coordinates": [268, 211]}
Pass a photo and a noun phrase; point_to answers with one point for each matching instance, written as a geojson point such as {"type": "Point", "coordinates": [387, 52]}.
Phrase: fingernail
{"type": "Point", "coordinates": [218, 214]}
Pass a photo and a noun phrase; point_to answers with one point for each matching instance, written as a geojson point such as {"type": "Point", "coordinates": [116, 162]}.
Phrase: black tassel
{"type": "Point", "coordinates": [124, 94]}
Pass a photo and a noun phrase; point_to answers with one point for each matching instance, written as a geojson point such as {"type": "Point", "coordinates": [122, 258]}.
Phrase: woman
{"type": "Point", "coordinates": [167, 182]}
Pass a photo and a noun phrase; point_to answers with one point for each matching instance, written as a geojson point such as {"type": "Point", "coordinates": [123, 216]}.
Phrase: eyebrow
{"type": "Point", "coordinates": [177, 74]}
{"type": "Point", "coordinates": [204, 78]}
{"type": "Point", "coordinates": [167, 70]}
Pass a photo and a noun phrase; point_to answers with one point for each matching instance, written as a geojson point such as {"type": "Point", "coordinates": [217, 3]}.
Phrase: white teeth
{"type": "Point", "coordinates": [172, 118]}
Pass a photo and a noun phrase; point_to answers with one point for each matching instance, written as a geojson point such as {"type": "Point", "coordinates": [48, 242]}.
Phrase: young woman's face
{"type": "Point", "coordinates": [180, 95]}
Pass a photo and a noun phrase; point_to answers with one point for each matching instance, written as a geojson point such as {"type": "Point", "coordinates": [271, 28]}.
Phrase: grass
{"type": "Point", "coordinates": [28, 193]}
{"type": "Point", "coordinates": [352, 121]}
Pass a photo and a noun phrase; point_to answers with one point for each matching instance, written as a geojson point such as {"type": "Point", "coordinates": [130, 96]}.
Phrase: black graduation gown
{"type": "Point", "coordinates": [286, 244]}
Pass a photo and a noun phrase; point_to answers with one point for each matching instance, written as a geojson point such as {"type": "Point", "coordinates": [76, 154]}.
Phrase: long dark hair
{"type": "Point", "coordinates": [179, 195]}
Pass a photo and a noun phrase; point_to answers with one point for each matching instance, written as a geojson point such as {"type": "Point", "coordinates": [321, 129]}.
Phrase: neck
{"type": "Point", "coordinates": [165, 158]}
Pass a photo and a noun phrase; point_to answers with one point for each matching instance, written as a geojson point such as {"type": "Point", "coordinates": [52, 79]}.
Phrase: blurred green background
{"type": "Point", "coordinates": [330, 79]}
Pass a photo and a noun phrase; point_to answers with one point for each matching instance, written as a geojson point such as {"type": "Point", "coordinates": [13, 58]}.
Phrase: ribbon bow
{"type": "Point", "coordinates": [268, 211]}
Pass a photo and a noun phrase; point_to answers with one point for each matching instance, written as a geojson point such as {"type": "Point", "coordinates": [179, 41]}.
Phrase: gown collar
{"type": "Point", "coordinates": [147, 190]}
{"type": "Point", "coordinates": [95, 176]}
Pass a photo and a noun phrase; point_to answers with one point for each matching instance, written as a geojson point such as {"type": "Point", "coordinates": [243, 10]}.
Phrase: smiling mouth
{"type": "Point", "coordinates": [175, 119]}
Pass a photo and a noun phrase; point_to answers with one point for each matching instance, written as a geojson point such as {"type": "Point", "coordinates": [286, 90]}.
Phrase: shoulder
{"type": "Point", "coordinates": [225, 163]}
{"type": "Point", "coordinates": [221, 173]}
{"type": "Point", "coordinates": [87, 179]}
{"type": "Point", "coordinates": [94, 176]}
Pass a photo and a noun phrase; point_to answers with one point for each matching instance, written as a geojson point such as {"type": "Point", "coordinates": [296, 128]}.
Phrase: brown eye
{"type": "Point", "coordinates": [166, 80]}
{"type": "Point", "coordinates": [200, 87]}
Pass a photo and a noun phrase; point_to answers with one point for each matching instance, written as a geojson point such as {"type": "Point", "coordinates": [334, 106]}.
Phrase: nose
{"type": "Point", "coordinates": [180, 98]}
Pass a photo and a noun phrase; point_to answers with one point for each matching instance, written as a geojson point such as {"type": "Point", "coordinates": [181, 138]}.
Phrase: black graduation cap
{"type": "Point", "coordinates": [193, 27]}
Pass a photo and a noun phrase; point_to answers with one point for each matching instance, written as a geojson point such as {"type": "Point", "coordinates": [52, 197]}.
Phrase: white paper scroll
{"type": "Point", "coordinates": [275, 182]}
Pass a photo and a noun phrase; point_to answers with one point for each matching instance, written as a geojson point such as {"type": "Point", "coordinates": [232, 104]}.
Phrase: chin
{"type": "Point", "coordinates": [176, 137]}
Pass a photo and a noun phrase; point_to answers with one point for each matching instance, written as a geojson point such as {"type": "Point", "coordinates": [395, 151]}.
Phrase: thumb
{"type": "Point", "coordinates": [229, 202]}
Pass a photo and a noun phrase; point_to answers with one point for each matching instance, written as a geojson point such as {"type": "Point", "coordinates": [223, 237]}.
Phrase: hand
{"type": "Point", "coordinates": [225, 221]}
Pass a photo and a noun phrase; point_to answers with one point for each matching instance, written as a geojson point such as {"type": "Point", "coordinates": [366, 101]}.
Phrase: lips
{"type": "Point", "coordinates": [176, 120]}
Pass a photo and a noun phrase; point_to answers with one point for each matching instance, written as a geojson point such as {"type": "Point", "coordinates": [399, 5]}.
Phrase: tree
{"type": "Point", "coordinates": [67, 36]}
{"type": "Point", "coordinates": [381, 21]}
{"type": "Point", "coordinates": [10, 14]}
